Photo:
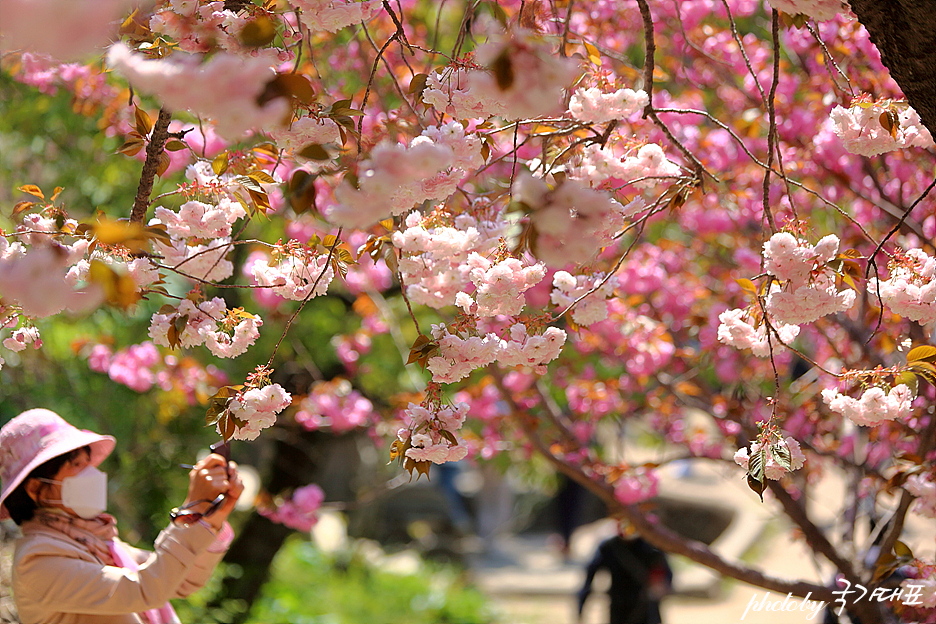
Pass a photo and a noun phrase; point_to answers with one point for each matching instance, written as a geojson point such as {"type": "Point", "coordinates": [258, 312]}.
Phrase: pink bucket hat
{"type": "Point", "coordinates": [36, 436]}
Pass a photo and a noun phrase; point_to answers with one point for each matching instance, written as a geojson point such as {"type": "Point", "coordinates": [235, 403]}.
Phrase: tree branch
{"type": "Point", "coordinates": [658, 535]}
{"type": "Point", "coordinates": [904, 31]}
{"type": "Point", "coordinates": [154, 150]}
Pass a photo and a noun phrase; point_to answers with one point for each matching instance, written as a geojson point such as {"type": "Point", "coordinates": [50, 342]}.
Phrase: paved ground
{"type": "Point", "coordinates": [531, 583]}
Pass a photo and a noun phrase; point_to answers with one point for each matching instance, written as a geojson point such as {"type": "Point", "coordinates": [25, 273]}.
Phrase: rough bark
{"type": "Point", "coordinates": [154, 150]}
{"type": "Point", "coordinates": [904, 31]}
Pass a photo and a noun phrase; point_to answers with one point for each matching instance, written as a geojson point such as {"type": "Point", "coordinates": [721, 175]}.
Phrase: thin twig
{"type": "Point", "coordinates": [897, 227]}
{"type": "Point", "coordinates": [772, 116]}
{"type": "Point", "coordinates": [331, 254]}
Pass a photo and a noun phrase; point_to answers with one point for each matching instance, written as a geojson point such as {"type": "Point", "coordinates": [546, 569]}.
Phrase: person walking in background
{"type": "Point", "coordinates": [640, 578]}
{"type": "Point", "coordinates": [69, 566]}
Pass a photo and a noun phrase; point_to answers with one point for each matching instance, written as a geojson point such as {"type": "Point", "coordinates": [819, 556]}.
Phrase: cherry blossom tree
{"type": "Point", "coordinates": [567, 216]}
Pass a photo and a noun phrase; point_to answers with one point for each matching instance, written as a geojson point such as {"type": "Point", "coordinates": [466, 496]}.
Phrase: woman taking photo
{"type": "Point", "coordinates": [69, 567]}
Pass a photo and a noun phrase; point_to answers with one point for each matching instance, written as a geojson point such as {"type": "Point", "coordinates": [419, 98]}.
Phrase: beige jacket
{"type": "Point", "coordinates": [56, 580]}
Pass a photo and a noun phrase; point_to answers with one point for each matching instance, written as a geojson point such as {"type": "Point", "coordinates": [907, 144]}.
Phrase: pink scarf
{"type": "Point", "coordinates": [98, 536]}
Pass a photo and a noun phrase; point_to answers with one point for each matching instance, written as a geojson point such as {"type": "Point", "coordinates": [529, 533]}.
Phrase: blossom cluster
{"type": "Point", "coordinates": [809, 291]}
{"type": "Point", "coordinates": [396, 177]}
{"type": "Point", "coordinates": [636, 486]}
{"type": "Point", "coordinates": [595, 106]}
{"type": "Point", "coordinates": [876, 404]}
{"type": "Point", "coordinates": [299, 511]}
{"type": "Point", "coordinates": [739, 330]}
{"type": "Point", "coordinates": [132, 367]}
{"type": "Point", "coordinates": [593, 308]}
{"type": "Point", "coordinates": [431, 433]}
{"type": "Point", "coordinates": [65, 30]}
{"type": "Point", "coordinates": [925, 490]}
{"type": "Point", "coordinates": [200, 220]}
{"type": "Point", "coordinates": [910, 290]}
{"type": "Point", "coordinates": [229, 86]}
{"type": "Point", "coordinates": [861, 130]}
{"type": "Point", "coordinates": [336, 406]}
{"type": "Point", "coordinates": [532, 351]}
{"type": "Point", "coordinates": [22, 338]}
{"type": "Point", "coordinates": [523, 74]}
{"type": "Point", "coordinates": [296, 272]}
{"type": "Point", "coordinates": [601, 164]}
{"type": "Point", "coordinates": [257, 408]}
{"type": "Point", "coordinates": [140, 367]}
{"type": "Point", "coordinates": [450, 92]}
{"type": "Point", "coordinates": [197, 27]}
{"type": "Point", "coordinates": [460, 354]}
{"type": "Point", "coordinates": [333, 15]}
{"type": "Point", "coordinates": [306, 131]}
{"type": "Point", "coordinates": [500, 285]}
{"type": "Point", "coordinates": [226, 333]}
{"type": "Point", "coordinates": [38, 277]}
{"type": "Point", "coordinates": [772, 469]}
{"type": "Point", "coordinates": [434, 250]}
{"type": "Point", "coordinates": [571, 220]}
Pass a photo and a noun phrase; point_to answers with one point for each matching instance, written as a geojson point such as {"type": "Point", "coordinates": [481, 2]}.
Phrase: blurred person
{"type": "Point", "coordinates": [640, 578]}
{"type": "Point", "coordinates": [69, 566]}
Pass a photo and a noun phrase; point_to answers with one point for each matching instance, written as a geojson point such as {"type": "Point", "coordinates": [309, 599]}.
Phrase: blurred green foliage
{"type": "Point", "coordinates": [313, 587]}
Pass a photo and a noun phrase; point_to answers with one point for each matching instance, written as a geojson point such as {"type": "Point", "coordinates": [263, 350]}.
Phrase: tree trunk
{"type": "Point", "coordinates": [904, 31]}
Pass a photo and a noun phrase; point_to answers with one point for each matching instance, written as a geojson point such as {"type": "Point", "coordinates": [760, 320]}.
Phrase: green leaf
{"type": "Point", "coordinates": [220, 163]}
{"type": "Point", "coordinates": [32, 189]}
{"type": "Point", "coordinates": [295, 86]}
{"type": "Point", "coordinates": [908, 379]}
{"type": "Point", "coordinates": [923, 352]}
{"type": "Point", "coordinates": [747, 285]}
{"type": "Point", "coordinates": [498, 12]}
{"type": "Point", "coordinates": [902, 550]}
{"type": "Point", "coordinates": [925, 370]}
{"type": "Point", "coordinates": [594, 56]}
{"type": "Point", "coordinates": [261, 177]}
{"type": "Point", "coordinates": [258, 33]}
{"type": "Point", "coordinates": [756, 468]}
{"type": "Point", "coordinates": [314, 151]}
{"type": "Point", "coordinates": [503, 70]}
{"type": "Point", "coordinates": [417, 85]}
{"type": "Point", "coordinates": [781, 455]}
{"type": "Point", "coordinates": [131, 147]}
{"type": "Point", "coordinates": [757, 486]}
{"type": "Point", "coordinates": [143, 123]}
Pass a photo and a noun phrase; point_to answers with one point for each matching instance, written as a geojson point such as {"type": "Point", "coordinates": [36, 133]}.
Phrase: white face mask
{"type": "Point", "coordinates": [85, 493]}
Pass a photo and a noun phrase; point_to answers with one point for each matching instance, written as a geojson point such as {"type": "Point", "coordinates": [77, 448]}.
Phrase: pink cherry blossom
{"type": "Point", "coordinates": [591, 309]}
{"type": "Point", "coordinates": [876, 404]}
{"type": "Point", "coordinates": [911, 289]}
{"type": "Point", "coordinates": [258, 407]}
{"type": "Point", "coordinates": [735, 329]}
{"type": "Point", "coordinates": [229, 86]}
{"type": "Point", "coordinates": [636, 486]}
{"type": "Point", "coordinates": [299, 511]}
{"type": "Point", "coordinates": [925, 490]}
{"type": "Point", "coordinates": [64, 29]}
{"type": "Point", "coordinates": [592, 105]}
{"type": "Point", "coordinates": [773, 470]}
{"type": "Point", "coordinates": [333, 15]}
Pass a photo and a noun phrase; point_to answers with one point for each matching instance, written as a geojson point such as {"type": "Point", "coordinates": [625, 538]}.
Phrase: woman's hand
{"type": "Point", "coordinates": [207, 479]}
